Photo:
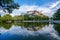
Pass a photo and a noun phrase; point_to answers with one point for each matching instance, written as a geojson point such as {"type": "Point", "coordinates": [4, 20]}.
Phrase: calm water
{"type": "Point", "coordinates": [29, 31]}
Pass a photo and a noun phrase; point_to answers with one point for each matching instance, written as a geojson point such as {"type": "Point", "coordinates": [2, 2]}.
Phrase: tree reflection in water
{"type": "Point", "coordinates": [6, 25]}
{"type": "Point", "coordinates": [57, 28]}
{"type": "Point", "coordinates": [44, 31]}
{"type": "Point", "coordinates": [32, 26]}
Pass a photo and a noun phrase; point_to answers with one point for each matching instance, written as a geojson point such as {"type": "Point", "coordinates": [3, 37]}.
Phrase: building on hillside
{"type": "Point", "coordinates": [34, 12]}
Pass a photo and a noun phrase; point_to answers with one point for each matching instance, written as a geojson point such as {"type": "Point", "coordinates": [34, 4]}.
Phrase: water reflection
{"type": "Point", "coordinates": [6, 25]}
{"type": "Point", "coordinates": [57, 28]}
{"type": "Point", "coordinates": [29, 31]}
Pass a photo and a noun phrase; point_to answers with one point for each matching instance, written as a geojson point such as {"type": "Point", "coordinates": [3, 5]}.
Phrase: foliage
{"type": "Point", "coordinates": [1, 19]}
{"type": "Point", "coordinates": [25, 17]}
{"type": "Point", "coordinates": [33, 17]}
{"type": "Point", "coordinates": [7, 17]}
{"type": "Point", "coordinates": [56, 16]}
{"type": "Point", "coordinates": [8, 5]}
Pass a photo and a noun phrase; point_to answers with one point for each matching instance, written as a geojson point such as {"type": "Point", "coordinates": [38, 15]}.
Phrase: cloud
{"type": "Point", "coordinates": [2, 13]}
{"type": "Point", "coordinates": [54, 4]}
{"type": "Point", "coordinates": [25, 8]}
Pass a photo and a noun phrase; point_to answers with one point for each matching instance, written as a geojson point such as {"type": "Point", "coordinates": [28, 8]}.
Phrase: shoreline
{"type": "Point", "coordinates": [52, 21]}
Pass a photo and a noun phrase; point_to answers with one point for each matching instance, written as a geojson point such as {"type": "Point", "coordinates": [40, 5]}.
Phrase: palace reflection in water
{"type": "Point", "coordinates": [29, 31]}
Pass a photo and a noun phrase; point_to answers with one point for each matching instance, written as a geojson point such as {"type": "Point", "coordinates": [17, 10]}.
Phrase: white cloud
{"type": "Point", "coordinates": [54, 4]}
{"type": "Point", "coordinates": [2, 13]}
{"type": "Point", "coordinates": [24, 8]}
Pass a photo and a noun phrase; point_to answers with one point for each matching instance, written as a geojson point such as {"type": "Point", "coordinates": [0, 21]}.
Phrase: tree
{"type": "Point", "coordinates": [8, 5]}
{"type": "Point", "coordinates": [7, 17]}
{"type": "Point", "coordinates": [1, 19]}
{"type": "Point", "coordinates": [56, 16]}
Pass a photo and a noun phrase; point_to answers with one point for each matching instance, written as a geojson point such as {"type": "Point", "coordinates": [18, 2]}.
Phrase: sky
{"type": "Point", "coordinates": [47, 7]}
{"type": "Point", "coordinates": [34, 2]}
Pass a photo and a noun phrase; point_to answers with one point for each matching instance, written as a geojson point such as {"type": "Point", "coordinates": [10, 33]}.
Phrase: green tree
{"type": "Point", "coordinates": [1, 19]}
{"type": "Point", "coordinates": [56, 15]}
{"type": "Point", "coordinates": [7, 17]}
{"type": "Point", "coordinates": [8, 5]}
{"type": "Point", "coordinates": [32, 17]}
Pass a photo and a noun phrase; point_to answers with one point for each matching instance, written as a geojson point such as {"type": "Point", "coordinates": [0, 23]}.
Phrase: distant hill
{"type": "Point", "coordinates": [35, 12]}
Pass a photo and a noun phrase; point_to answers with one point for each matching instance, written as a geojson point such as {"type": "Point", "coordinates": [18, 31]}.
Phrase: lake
{"type": "Point", "coordinates": [30, 31]}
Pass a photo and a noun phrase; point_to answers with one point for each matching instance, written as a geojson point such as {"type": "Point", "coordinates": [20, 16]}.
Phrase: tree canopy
{"type": "Point", "coordinates": [7, 17]}
{"type": "Point", "coordinates": [8, 5]}
{"type": "Point", "coordinates": [56, 16]}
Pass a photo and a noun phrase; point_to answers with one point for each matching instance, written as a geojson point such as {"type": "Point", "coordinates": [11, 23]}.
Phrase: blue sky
{"type": "Point", "coordinates": [34, 2]}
